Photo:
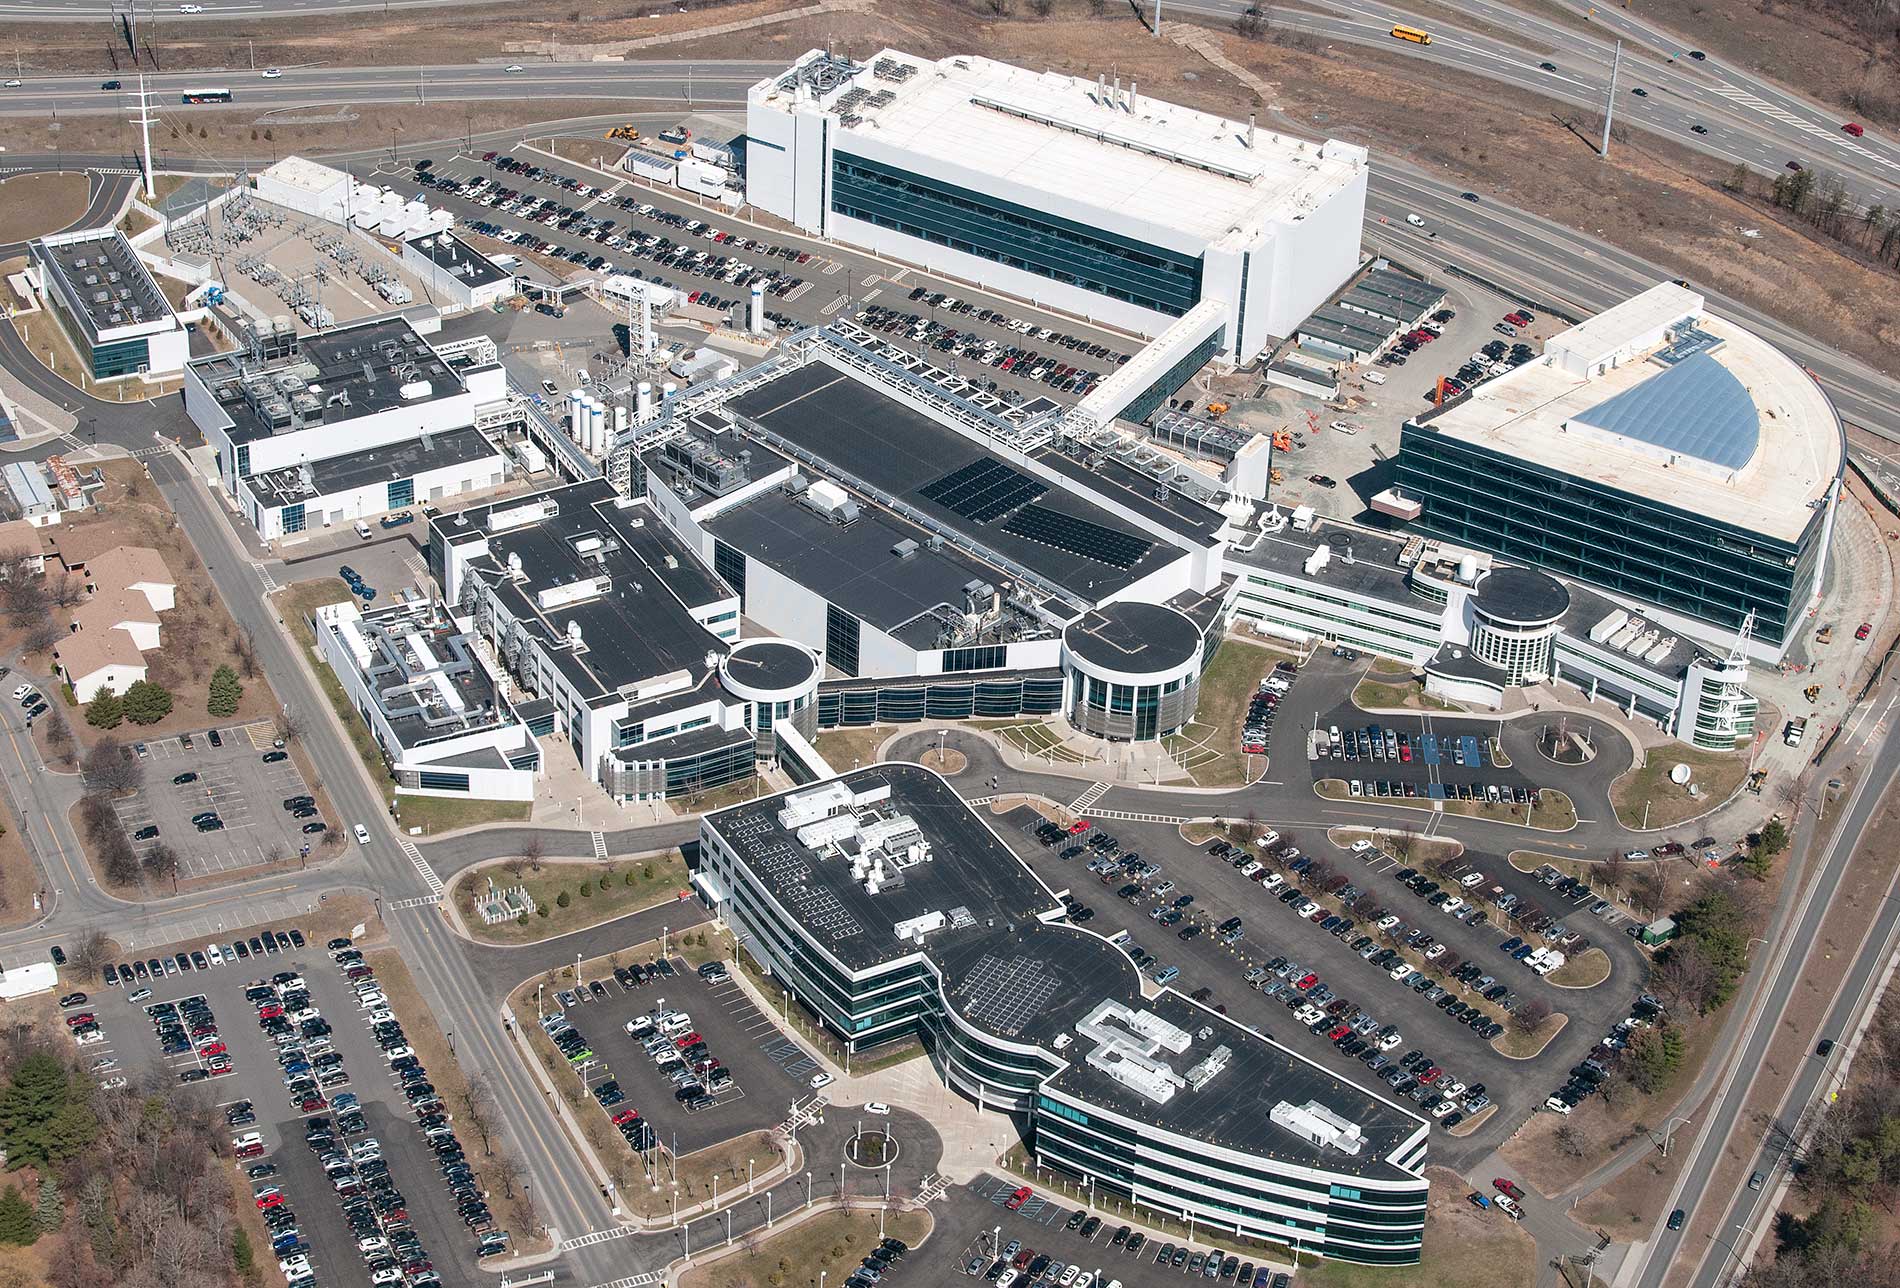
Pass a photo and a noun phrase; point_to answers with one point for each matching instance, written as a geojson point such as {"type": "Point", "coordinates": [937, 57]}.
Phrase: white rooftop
{"type": "Point", "coordinates": [305, 175]}
{"type": "Point", "coordinates": [1660, 399]}
{"type": "Point", "coordinates": [1199, 174]}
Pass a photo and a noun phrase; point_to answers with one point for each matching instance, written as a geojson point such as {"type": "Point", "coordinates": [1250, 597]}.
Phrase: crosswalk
{"type": "Point", "coordinates": [633, 1281]}
{"type": "Point", "coordinates": [1095, 793]}
{"type": "Point", "coordinates": [422, 867]}
{"type": "Point", "coordinates": [147, 453]}
{"type": "Point", "coordinates": [600, 845]}
{"type": "Point", "coordinates": [264, 575]}
{"type": "Point", "coordinates": [593, 1237]}
{"type": "Point", "coordinates": [415, 901]}
{"type": "Point", "coordinates": [1754, 103]}
{"type": "Point", "coordinates": [1133, 816]}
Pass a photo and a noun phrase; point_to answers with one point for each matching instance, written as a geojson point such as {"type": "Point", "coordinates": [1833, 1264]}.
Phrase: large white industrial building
{"type": "Point", "coordinates": [1083, 196]}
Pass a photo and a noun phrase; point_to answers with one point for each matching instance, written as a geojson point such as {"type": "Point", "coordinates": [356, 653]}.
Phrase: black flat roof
{"type": "Point", "coordinates": [863, 432]}
{"type": "Point", "coordinates": [105, 275]}
{"type": "Point", "coordinates": [336, 474]}
{"type": "Point", "coordinates": [1013, 968]}
{"type": "Point", "coordinates": [1521, 595]}
{"type": "Point", "coordinates": [456, 257]}
{"type": "Point", "coordinates": [640, 629]}
{"type": "Point", "coordinates": [1135, 490]}
{"type": "Point", "coordinates": [355, 370]}
{"type": "Point", "coordinates": [852, 567]}
{"type": "Point", "coordinates": [1133, 637]}
{"type": "Point", "coordinates": [770, 664]}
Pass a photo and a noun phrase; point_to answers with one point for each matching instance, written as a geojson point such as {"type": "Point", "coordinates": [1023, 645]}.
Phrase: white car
{"type": "Point", "coordinates": [877, 1107]}
{"type": "Point", "coordinates": [1470, 879]}
{"type": "Point", "coordinates": [273, 73]}
{"type": "Point", "coordinates": [1443, 1107]}
{"type": "Point", "coordinates": [362, 834]}
{"type": "Point", "coordinates": [214, 954]}
{"type": "Point", "coordinates": [512, 67]}
{"type": "Point", "coordinates": [819, 1080]}
{"type": "Point", "coordinates": [20, 693]}
{"type": "Point", "coordinates": [1373, 377]}
{"type": "Point", "coordinates": [1344, 427]}
{"type": "Point", "coordinates": [191, 8]}
{"type": "Point", "coordinates": [1415, 221]}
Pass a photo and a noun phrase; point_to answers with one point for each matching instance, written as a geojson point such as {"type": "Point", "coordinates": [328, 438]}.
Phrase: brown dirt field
{"type": "Point", "coordinates": [196, 635]}
{"type": "Point", "coordinates": [32, 205]}
{"type": "Point", "coordinates": [19, 877]}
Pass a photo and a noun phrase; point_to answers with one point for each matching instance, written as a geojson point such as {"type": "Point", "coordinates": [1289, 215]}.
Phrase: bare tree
{"type": "Point", "coordinates": [514, 865]}
{"type": "Point", "coordinates": [111, 766]}
{"type": "Point", "coordinates": [275, 853]}
{"type": "Point", "coordinates": [161, 862]}
{"type": "Point", "coordinates": [42, 635]}
{"type": "Point", "coordinates": [1570, 1140]}
{"type": "Point", "coordinates": [478, 1099]}
{"type": "Point", "coordinates": [1647, 888]}
{"type": "Point", "coordinates": [1530, 1015]}
{"type": "Point", "coordinates": [66, 590]}
{"type": "Point", "coordinates": [1614, 868]}
{"type": "Point", "coordinates": [1681, 979]}
{"type": "Point", "coordinates": [1402, 845]}
{"type": "Point", "coordinates": [90, 952]}
{"type": "Point", "coordinates": [289, 727]}
{"type": "Point", "coordinates": [534, 849]}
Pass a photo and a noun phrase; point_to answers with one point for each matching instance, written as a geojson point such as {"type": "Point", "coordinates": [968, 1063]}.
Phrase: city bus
{"type": "Point", "coordinates": [207, 96]}
{"type": "Point", "coordinates": [1412, 34]}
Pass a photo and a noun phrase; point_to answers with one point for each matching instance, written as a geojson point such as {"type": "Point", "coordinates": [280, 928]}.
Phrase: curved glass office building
{"type": "Point", "coordinates": [893, 911]}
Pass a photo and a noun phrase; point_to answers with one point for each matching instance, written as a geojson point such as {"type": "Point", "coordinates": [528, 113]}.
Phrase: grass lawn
{"type": "Point", "coordinates": [1584, 971]}
{"type": "Point", "coordinates": [718, 798]}
{"type": "Point", "coordinates": [1211, 754]}
{"type": "Point", "coordinates": [830, 1241]}
{"type": "Point", "coordinates": [435, 814]}
{"type": "Point", "coordinates": [848, 748]}
{"type": "Point", "coordinates": [1519, 1045]}
{"type": "Point", "coordinates": [32, 205]}
{"type": "Point", "coordinates": [1420, 850]}
{"type": "Point", "coordinates": [1409, 695]}
{"type": "Point", "coordinates": [1645, 797]}
{"type": "Point", "coordinates": [1464, 1248]}
{"type": "Point", "coordinates": [295, 603]}
{"type": "Point", "coordinates": [616, 889]}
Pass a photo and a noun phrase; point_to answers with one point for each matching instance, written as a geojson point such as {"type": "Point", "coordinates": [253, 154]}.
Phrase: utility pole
{"type": "Point", "coordinates": [145, 132]}
{"type": "Point", "coordinates": [1609, 102]}
{"type": "Point", "coordinates": [1157, 30]}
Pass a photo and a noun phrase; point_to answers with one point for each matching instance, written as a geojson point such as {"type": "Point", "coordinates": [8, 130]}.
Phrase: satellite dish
{"type": "Point", "coordinates": [1679, 774]}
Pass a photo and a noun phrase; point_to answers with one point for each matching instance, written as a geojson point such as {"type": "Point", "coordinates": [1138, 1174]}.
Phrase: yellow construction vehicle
{"type": "Point", "coordinates": [626, 132]}
{"type": "Point", "coordinates": [1217, 409]}
{"type": "Point", "coordinates": [1812, 693]}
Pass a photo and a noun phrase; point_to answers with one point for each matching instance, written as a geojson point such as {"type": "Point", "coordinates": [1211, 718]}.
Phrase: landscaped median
{"type": "Point", "coordinates": [565, 895]}
{"type": "Point", "coordinates": [1392, 686]}
{"type": "Point", "coordinates": [1586, 970]}
{"type": "Point", "coordinates": [1644, 797]}
{"type": "Point", "coordinates": [1517, 1043]}
{"type": "Point", "coordinates": [1553, 811]}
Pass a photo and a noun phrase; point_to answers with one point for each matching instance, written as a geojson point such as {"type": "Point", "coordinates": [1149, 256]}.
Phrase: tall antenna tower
{"type": "Point", "coordinates": [145, 121]}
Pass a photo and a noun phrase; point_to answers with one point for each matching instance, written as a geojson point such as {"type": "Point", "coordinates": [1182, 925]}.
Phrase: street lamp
{"type": "Point", "coordinates": [1667, 1127]}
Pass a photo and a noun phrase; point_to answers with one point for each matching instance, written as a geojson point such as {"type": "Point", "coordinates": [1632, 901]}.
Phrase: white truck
{"type": "Point", "coordinates": [1796, 730]}
{"type": "Point", "coordinates": [1552, 960]}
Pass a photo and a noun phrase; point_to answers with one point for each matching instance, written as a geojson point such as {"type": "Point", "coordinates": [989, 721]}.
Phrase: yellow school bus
{"type": "Point", "coordinates": [1412, 34]}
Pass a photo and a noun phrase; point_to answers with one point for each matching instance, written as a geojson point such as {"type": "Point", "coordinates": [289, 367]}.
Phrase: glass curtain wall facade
{"type": "Point", "coordinates": [1023, 238]}
{"type": "Point", "coordinates": [1686, 563]}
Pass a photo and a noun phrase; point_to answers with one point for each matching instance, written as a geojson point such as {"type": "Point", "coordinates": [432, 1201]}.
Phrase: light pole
{"type": "Point", "coordinates": [1668, 1127]}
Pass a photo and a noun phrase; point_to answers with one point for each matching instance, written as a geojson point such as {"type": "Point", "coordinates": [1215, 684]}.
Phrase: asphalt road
{"type": "Point", "coordinates": [698, 84]}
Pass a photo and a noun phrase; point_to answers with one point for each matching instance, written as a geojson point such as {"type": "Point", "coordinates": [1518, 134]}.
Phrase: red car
{"type": "Point", "coordinates": [310, 1104]}
{"type": "Point", "coordinates": [1865, 629]}
{"type": "Point", "coordinates": [84, 1017]}
{"type": "Point", "coordinates": [270, 1199]}
{"type": "Point", "coordinates": [1853, 129]}
{"type": "Point", "coordinates": [682, 1043]}
{"type": "Point", "coordinates": [626, 1116]}
{"type": "Point", "coordinates": [1508, 1187]}
{"type": "Point", "coordinates": [1339, 1033]}
{"type": "Point", "coordinates": [1080, 826]}
{"type": "Point", "coordinates": [1306, 981]}
{"type": "Point", "coordinates": [1020, 1197]}
{"type": "Point", "coordinates": [250, 1151]}
{"type": "Point", "coordinates": [211, 1048]}
{"type": "Point", "coordinates": [269, 1011]}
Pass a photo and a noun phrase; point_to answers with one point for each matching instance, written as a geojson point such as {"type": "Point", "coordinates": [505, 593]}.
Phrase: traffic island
{"type": "Point", "coordinates": [1586, 970]}
{"type": "Point", "coordinates": [947, 761]}
{"type": "Point", "coordinates": [1554, 811]}
{"type": "Point", "coordinates": [830, 1242]}
{"type": "Point", "coordinates": [1515, 1044]}
{"type": "Point", "coordinates": [523, 900]}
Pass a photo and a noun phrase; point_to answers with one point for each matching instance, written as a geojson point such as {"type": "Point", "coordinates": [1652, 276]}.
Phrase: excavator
{"type": "Point", "coordinates": [626, 132]}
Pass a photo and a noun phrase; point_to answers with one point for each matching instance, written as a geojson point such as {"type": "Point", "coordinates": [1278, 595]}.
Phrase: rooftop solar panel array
{"type": "Point", "coordinates": [1006, 993]}
{"type": "Point", "coordinates": [982, 490]}
{"type": "Point", "coordinates": [1077, 536]}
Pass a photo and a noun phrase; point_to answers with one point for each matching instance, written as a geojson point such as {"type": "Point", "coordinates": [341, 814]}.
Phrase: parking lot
{"type": "Point", "coordinates": [256, 1076]}
{"type": "Point", "coordinates": [1197, 892]}
{"type": "Point", "coordinates": [1426, 756]}
{"type": "Point", "coordinates": [976, 1228]}
{"type": "Point", "coordinates": [241, 778]}
{"type": "Point", "coordinates": [766, 1068]}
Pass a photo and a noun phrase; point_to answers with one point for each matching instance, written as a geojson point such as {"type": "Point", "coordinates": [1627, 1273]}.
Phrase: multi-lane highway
{"type": "Point", "coordinates": [638, 83]}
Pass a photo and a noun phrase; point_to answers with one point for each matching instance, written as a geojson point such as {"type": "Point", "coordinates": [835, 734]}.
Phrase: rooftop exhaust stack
{"type": "Point", "coordinates": [1132, 87]}
{"type": "Point", "coordinates": [1250, 130]}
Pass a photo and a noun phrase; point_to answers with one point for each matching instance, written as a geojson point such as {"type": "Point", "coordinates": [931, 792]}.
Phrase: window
{"type": "Point", "coordinates": [989, 657]}
{"type": "Point", "coordinates": [292, 516]}
{"type": "Point", "coordinates": [402, 492]}
{"type": "Point", "coordinates": [431, 780]}
{"type": "Point", "coordinates": [1017, 236]}
{"type": "Point", "coordinates": [841, 639]}
{"type": "Point", "coordinates": [730, 565]}
{"type": "Point", "coordinates": [120, 358]}
{"type": "Point", "coordinates": [243, 461]}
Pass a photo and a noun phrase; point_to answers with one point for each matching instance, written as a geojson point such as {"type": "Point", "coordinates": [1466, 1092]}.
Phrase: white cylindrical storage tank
{"type": "Point", "coordinates": [643, 400]}
{"type": "Point", "coordinates": [576, 414]}
{"type": "Point", "coordinates": [596, 426]}
{"type": "Point", "coordinates": [667, 390]}
{"type": "Point", "coordinates": [620, 425]}
{"type": "Point", "coordinates": [755, 312]}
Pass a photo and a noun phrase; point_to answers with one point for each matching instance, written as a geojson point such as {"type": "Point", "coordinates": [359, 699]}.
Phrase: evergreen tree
{"type": "Point", "coordinates": [16, 1219]}
{"type": "Point", "coordinates": [225, 692]}
{"type": "Point", "coordinates": [50, 1212]}
{"type": "Point", "coordinates": [147, 703]}
{"type": "Point", "coordinates": [105, 711]}
{"type": "Point", "coordinates": [36, 1094]}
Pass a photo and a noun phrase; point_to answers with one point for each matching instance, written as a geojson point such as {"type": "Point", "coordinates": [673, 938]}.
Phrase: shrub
{"type": "Point", "coordinates": [105, 711]}
{"type": "Point", "coordinates": [225, 691]}
{"type": "Point", "coordinates": [147, 703]}
{"type": "Point", "coordinates": [562, 900]}
{"type": "Point", "coordinates": [587, 889]}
